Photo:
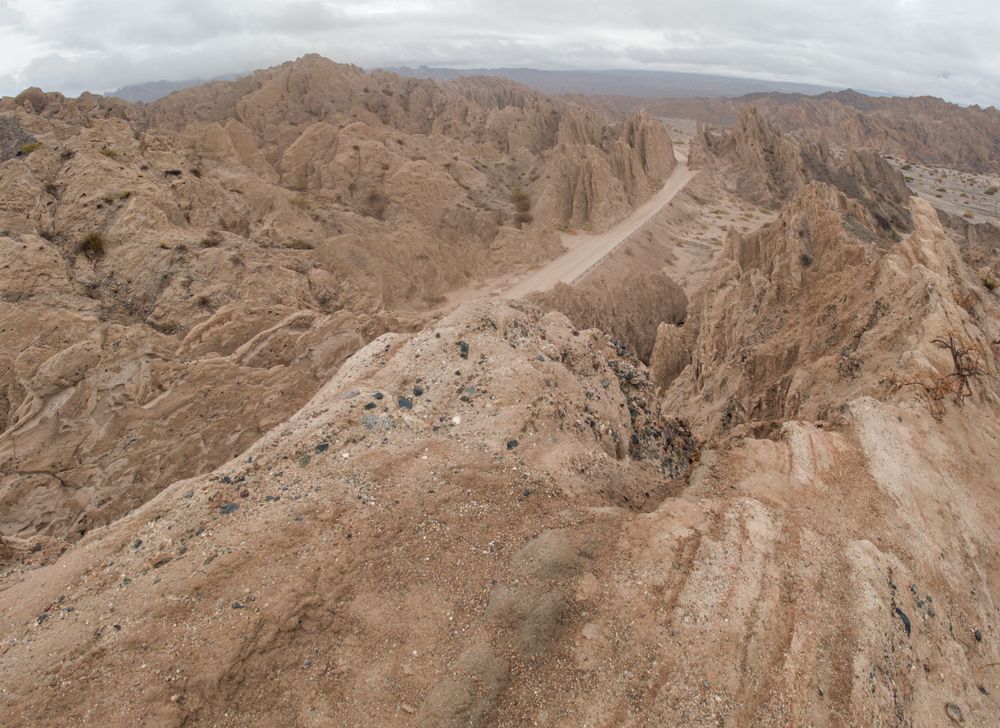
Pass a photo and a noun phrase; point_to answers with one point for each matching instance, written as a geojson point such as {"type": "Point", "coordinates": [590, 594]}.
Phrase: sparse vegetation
{"type": "Point", "coordinates": [990, 283]}
{"type": "Point", "coordinates": [968, 362]}
{"type": "Point", "coordinates": [907, 167]}
{"type": "Point", "coordinates": [109, 153]}
{"type": "Point", "coordinates": [28, 148]}
{"type": "Point", "coordinates": [212, 240]}
{"type": "Point", "coordinates": [374, 205]}
{"type": "Point", "coordinates": [991, 190]}
{"type": "Point", "coordinates": [301, 202]}
{"type": "Point", "coordinates": [522, 207]}
{"type": "Point", "coordinates": [92, 245]}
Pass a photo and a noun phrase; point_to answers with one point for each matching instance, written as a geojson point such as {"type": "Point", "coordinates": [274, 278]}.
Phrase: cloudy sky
{"type": "Point", "coordinates": [947, 49]}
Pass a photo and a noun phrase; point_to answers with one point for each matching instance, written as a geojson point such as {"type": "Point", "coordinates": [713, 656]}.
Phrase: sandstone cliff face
{"type": "Point", "coordinates": [814, 309]}
{"type": "Point", "coordinates": [628, 310]}
{"type": "Point", "coordinates": [177, 279]}
{"type": "Point", "coordinates": [768, 168]}
{"type": "Point", "coordinates": [922, 129]}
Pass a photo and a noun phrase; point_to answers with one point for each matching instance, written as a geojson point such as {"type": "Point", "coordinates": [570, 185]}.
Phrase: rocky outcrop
{"type": "Point", "coordinates": [919, 128]}
{"type": "Point", "coordinates": [178, 278]}
{"type": "Point", "coordinates": [628, 310]}
{"type": "Point", "coordinates": [814, 309]}
{"type": "Point", "coordinates": [769, 168]}
{"type": "Point", "coordinates": [492, 522]}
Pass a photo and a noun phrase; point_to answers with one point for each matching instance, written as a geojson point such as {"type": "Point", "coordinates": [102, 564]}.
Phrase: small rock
{"type": "Point", "coordinates": [322, 447]}
{"type": "Point", "coordinates": [378, 395]}
{"type": "Point", "coordinates": [511, 444]}
{"type": "Point", "coordinates": [463, 349]}
{"type": "Point", "coordinates": [404, 402]}
{"type": "Point", "coordinates": [41, 618]}
{"type": "Point", "coordinates": [225, 479]}
{"type": "Point", "coordinates": [983, 690]}
{"type": "Point", "coordinates": [226, 508]}
{"type": "Point", "coordinates": [418, 391]}
{"type": "Point", "coordinates": [137, 543]}
{"type": "Point", "coordinates": [244, 493]}
{"type": "Point", "coordinates": [407, 708]}
{"type": "Point", "coordinates": [36, 548]}
{"type": "Point", "coordinates": [978, 635]}
{"type": "Point", "coordinates": [954, 713]}
{"type": "Point", "coordinates": [370, 406]}
{"type": "Point", "coordinates": [304, 460]}
{"type": "Point", "coordinates": [904, 619]}
{"type": "Point", "coordinates": [238, 605]}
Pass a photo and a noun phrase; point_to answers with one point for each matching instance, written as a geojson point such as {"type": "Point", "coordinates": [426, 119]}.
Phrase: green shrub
{"type": "Point", "coordinates": [991, 190]}
{"type": "Point", "coordinates": [28, 148]}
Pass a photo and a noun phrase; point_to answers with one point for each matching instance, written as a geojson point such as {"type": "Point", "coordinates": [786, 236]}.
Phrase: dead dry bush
{"type": "Point", "coordinates": [969, 363]}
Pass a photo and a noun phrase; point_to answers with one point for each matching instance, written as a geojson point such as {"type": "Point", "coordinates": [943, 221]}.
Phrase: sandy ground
{"type": "Point", "coordinates": [976, 197]}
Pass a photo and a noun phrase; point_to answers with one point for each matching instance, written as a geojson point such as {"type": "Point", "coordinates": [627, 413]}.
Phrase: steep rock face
{"type": "Point", "coordinates": [769, 168]}
{"type": "Point", "coordinates": [191, 271]}
{"type": "Point", "coordinates": [921, 128]}
{"type": "Point", "coordinates": [579, 168]}
{"type": "Point", "coordinates": [813, 310]}
{"type": "Point", "coordinates": [629, 310]}
{"type": "Point", "coordinates": [768, 165]}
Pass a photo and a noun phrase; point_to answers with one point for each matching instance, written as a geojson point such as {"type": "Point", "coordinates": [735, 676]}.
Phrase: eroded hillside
{"type": "Point", "coordinates": [499, 516]}
{"type": "Point", "coordinates": [178, 279]}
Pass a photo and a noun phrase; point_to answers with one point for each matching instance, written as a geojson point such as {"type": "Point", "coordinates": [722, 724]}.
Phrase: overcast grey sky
{"type": "Point", "coordinates": [944, 48]}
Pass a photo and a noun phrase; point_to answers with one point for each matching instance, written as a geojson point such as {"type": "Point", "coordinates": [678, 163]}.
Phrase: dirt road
{"type": "Point", "coordinates": [585, 251]}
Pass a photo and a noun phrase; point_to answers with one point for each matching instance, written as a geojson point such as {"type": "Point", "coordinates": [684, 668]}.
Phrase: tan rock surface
{"type": "Point", "coordinates": [179, 278]}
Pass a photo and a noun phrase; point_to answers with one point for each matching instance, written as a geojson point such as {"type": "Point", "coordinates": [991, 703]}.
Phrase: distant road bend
{"type": "Point", "coordinates": [585, 251]}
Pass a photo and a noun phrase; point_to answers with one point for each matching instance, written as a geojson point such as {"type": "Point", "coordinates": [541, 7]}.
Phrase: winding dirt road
{"type": "Point", "coordinates": [586, 251]}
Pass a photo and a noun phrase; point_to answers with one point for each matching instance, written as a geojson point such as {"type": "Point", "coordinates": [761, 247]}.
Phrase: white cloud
{"type": "Point", "coordinates": [901, 46]}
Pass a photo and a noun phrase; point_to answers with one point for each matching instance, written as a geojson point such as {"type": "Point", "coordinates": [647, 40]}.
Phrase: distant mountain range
{"type": "Point", "coordinates": [152, 90]}
{"type": "Point", "coordinates": [622, 82]}
{"type": "Point", "coordinates": [602, 83]}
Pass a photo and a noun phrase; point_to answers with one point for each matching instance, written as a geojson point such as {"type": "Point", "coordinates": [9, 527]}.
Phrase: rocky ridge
{"type": "Point", "coordinates": [191, 271]}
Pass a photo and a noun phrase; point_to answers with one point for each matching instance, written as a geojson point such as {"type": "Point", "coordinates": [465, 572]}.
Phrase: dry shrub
{"type": "Point", "coordinates": [968, 361]}
{"type": "Point", "coordinates": [92, 245]}
{"type": "Point", "coordinates": [374, 205]}
{"type": "Point", "coordinates": [522, 207]}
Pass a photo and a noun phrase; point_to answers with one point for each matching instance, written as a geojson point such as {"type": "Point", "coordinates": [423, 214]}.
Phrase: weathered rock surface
{"type": "Point", "coordinates": [176, 279]}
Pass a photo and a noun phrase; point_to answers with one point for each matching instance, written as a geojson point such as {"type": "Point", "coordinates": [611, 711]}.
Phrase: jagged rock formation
{"type": "Point", "coordinates": [768, 168]}
{"type": "Point", "coordinates": [813, 310]}
{"type": "Point", "coordinates": [628, 310]}
{"type": "Point", "coordinates": [489, 523]}
{"type": "Point", "coordinates": [500, 518]}
{"type": "Point", "coordinates": [178, 278]}
{"type": "Point", "coordinates": [920, 128]}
